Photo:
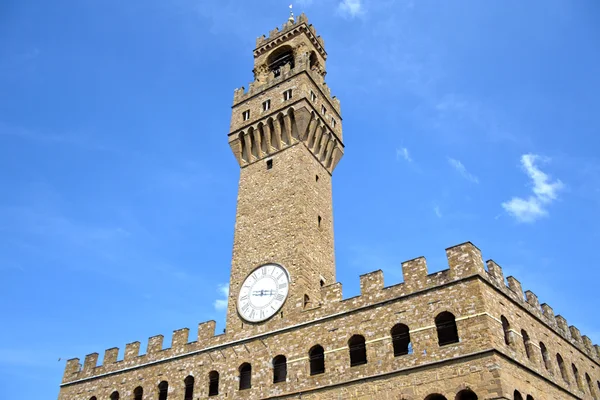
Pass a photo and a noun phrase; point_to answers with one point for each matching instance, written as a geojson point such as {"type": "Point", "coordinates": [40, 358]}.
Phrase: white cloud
{"type": "Point", "coordinates": [457, 165]}
{"type": "Point", "coordinates": [436, 210]}
{"type": "Point", "coordinates": [403, 152]}
{"type": "Point", "coordinates": [544, 192]}
{"type": "Point", "coordinates": [351, 8]}
{"type": "Point", "coordinates": [221, 304]}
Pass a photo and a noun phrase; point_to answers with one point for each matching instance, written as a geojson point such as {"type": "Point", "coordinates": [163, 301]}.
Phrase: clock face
{"type": "Point", "coordinates": [263, 292]}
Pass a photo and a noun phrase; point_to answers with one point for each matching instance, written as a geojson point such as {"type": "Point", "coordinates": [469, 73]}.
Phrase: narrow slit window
{"type": "Point", "coordinates": [287, 95]}
{"type": "Point", "coordinates": [333, 122]}
{"type": "Point", "coordinates": [269, 164]}
{"type": "Point", "coordinates": [319, 221]}
{"type": "Point", "coordinates": [245, 376]}
{"type": "Point", "coordinates": [266, 105]}
{"type": "Point", "coordinates": [401, 340]}
{"type": "Point", "coordinates": [213, 383]}
{"type": "Point", "coordinates": [189, 388]}
{"type": "Point", "coordinates": [358, 350]}
{"type": "Point", "coordinates": [306, 302]}
{"type": "Point", "coordinates": [313, 97]}
{"type": "Point", "coordinates": [316, 357]}
{"type": "Point", "coordinates": [163, 390]}
{"type": "Point", "coordinates": [316, 178]}
{"type": "Point", "coordinates": [279, 369]}
{"type": "Point", "coordinates": [246, 115]}
{"type": "Point", "coordinates": [323, 110]}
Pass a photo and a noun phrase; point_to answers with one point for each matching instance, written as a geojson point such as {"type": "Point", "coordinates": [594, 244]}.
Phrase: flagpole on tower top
{"type": "Point", "coordinates": [291, 19]}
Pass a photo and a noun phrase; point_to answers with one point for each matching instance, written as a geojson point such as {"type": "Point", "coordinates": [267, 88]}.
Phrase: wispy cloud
{"type": "Point", "coordinates": [544, 190]}
{"type": "Point", "coordinates": [462, 170]}
{"type": "Point", "coordinates": [221, 304]}
{"type": "Point", "coordinates": [403, 153]}
{"type": "Point", "coordinates": [350, 8]}
{"type": "Point", "coordinates": [437, 211]}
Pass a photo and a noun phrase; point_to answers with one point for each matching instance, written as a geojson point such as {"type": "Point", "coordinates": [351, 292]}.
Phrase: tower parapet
{"type": "Point", "coordinates": [464, 262]}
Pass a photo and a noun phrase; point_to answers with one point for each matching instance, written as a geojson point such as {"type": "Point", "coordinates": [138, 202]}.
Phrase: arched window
{"type": "Point", "coordinates": [400, 339]}
{"type": "Point", "coordinates": [446, 328]}
{"type": "Point", "coordinates": [517, 395]}
{"type": "Point", "coordinates": [563, 369]}
{"type": "Point", "coordinates": [526, 343]}
{"type": "Point", "coordinates": [93, 398]}
{"type": "Point", "coordinates": [590, 385]}
{"type": "Point", "coordinates": [545, 357]}
{"type": "Point", "coordinates": [306, 300]}
{"type": "Point", "coordinates": [189, 388]}
{"type": "Point", "coordinates": [280, 57]}
{"type": "Point", "coordinates": [466, 394]}
{"type": "Point", "coordinates": [114, 395]}
{"type": "Point", "coordinates": [435, 396]}
{"type": "Point", "coordinates": [138, 393]}
{"type": "Point", "coordinates": [358, 350]}
{"type": "Point", "coordinates": [506, 329]}
{"type": "Point", "coordinates": [245, 376]}
{"type": "Point", "coordinates": [577, 377]}
{"type": "Point", "coordinates": [316, 357]}
{"type": "Point", "coordinates": [163, 390]}
{"type": "Point", "coordinates": [279, 369]}
{"type": "Point", "coordinates": [529, 397]}
{"type": "Point", "coordinates": [213, 383]}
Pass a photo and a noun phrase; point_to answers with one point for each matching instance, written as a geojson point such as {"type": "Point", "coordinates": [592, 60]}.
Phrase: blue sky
{"type": "Point", "coordinates": [463, 121]}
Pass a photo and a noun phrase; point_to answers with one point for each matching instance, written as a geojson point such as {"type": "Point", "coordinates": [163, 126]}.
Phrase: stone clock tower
{"type": "Point", "coordinates": [286, 134]}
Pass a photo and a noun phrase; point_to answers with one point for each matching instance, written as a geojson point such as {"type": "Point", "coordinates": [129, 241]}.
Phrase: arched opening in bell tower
{"type": "Point", "coordinates": [280, 57]}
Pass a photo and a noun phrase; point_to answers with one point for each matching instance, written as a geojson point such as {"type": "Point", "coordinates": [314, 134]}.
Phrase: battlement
{"type": "Point", "coordinates": [543, 312]}
{"type": "Point", "coordinates": [255, 87]}
{"type": "Point", "coordinates": [290, 27]}
{"type": "Point", "coordinates": [464, 262]}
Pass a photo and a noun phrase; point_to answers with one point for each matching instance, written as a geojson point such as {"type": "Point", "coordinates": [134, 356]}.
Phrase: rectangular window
{"type": "Point", "coordinates": [246, 115]}
{"type": "Point", "coordinates": [269, 164]}
{"type": "Point", "coordinates": [333, 122]}
{"type": "Point", "coordinates": [313, 97]}
{"type": "Point", "coordinates": [266, 105]}
{"type": "Point", "coordinates": [287, 95]}
{"type": "Point", "coordinates": [323, 110]}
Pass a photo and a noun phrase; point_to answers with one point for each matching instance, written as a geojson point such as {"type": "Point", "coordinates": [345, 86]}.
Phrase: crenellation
{"type": "Point", "coordinates": [110, 356]}
{"type": "Point", "coordinates": [450, 331]}
{"type": "Point", "coordinates": [532, 300]}
{"type": "Point", "coordinates": [515, 286]}
{"type": "Point", "coordinates": [414, 273]}
{"type": "Point", "coordinates": [465, 260]}
{"type": "Point", "coordinates": [371, 283]}
{"type": "Point", "coordinates": [575, 334]}
{"type": "Point", "coordinates": [587, 342]}
{"type": "Point", "coordinates": [179, 339]}
{"type": "Point", "coordinates": [90, 363]}
{"type": "Point", "coordinates": [155, 344]}
{"type": "Point", "coordinates": [72, 368]}
{"type": "Point", "coordinates": [563, 326]}
{"type": "Point", "coordinates": [206, 330]}
{"type": "Point", "coordinates": [132, 351]}
{"type": "Point", "coordinates": [548, 312]}
{"type": "Point", "coordinates": [495, 273]}
{"type": "Point", "coordinates": [332, 293]}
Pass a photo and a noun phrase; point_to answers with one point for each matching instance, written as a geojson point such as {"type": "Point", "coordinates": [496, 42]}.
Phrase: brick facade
{"type": "Point", "coordinates": [464, 335]}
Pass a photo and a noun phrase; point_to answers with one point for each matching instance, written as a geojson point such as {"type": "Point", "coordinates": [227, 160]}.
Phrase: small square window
{"type": "Point", "coordinates": [246, 115]}
{"type": "Point", "coordinates": [269, 164]}
{"type": "Point", "coordinates": [323, 110]}
{"type": "Point", "coordinates": [287, 95]}
{"type": "Point", "coordinates": [266, 105]}
{"type": "Point", "coordinates": [313, 96]}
